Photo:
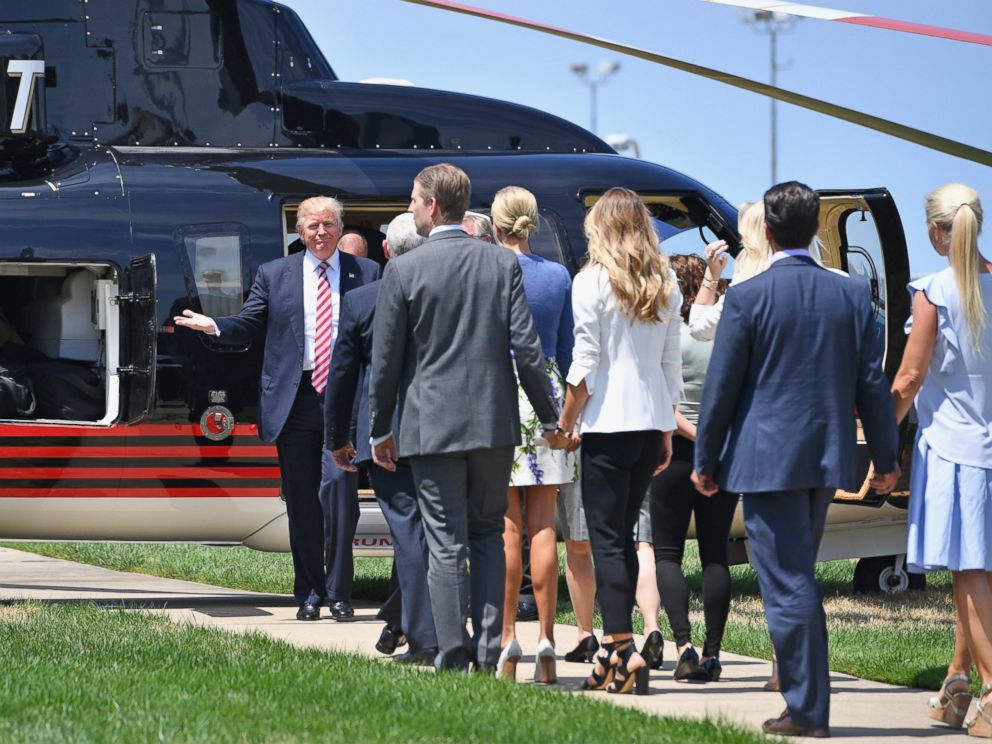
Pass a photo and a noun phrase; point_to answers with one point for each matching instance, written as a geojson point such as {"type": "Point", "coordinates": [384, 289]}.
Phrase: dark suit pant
{"type": "Point", "coordinates": [391, 612]}
{"type": "Point", "coordinates": [299, 446]}
{"type": "Point", "coordinates": [398, 498]}
{"type": "Point", "coordinates": [339, 499]}
{"type": "Point", "coordinates": [616, 472]}
{"type": "Point", "coordinates": [462, 497]}
{"type": "Point", "coordinates": [674, 500]}
{"type": "Point", "coordinates": [784, 530]}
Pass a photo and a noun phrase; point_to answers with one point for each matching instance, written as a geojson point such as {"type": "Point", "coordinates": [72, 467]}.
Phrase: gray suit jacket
{"type": "Point", "coordinates": [447, 316]}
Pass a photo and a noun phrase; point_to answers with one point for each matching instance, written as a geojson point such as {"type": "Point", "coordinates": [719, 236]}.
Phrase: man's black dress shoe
{"type": "Point", "coordinates": [424, 657]}
{"type": "Point", "coordinates": [308, 611]}
{"type": "Point", "coordinates": [341, 610]}
{"type": "Point", "coordinates": [784, 726]}
{"type": "Point", "coordinates": [389, 639]}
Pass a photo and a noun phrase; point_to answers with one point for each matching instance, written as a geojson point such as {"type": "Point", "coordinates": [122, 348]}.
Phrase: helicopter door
{"type": "Point", "coordinates": [139, 336]}
{"type": "Point", "coordinates": [862, 235]}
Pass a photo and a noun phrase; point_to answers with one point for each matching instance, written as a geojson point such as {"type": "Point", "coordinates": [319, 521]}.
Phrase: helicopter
{"type": "Point", "coordinates": [152, 155]}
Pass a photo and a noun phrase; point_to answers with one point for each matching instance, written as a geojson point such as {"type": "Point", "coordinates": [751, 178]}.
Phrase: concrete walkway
{"type": "Point", "coordinates": [860, 710]}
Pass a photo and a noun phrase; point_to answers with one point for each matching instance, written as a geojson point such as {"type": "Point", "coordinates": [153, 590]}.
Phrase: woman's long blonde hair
{"type": "Point", "coordinates": [756, 253]}
{"type": "Point", "coordinates": [622, 240]}
{"type": "Point", "coordinates": [956, 209]}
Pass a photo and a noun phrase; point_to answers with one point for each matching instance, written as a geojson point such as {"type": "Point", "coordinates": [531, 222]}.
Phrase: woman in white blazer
{"type": "Point", "coordinates": [624, 382]}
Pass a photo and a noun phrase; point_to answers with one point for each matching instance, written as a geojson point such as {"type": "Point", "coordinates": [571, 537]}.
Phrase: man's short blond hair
{"type": "Point", "coordinates": [316, 205]}
{"type": "Point", "coordinates": [449, 186]}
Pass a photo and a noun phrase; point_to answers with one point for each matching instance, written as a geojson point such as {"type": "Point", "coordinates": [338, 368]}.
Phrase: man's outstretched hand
{"type": "Point", "coordinates": [196, 321]}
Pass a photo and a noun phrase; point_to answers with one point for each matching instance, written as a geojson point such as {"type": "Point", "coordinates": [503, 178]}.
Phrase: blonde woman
{"type": "Point", "coordinates": [537, 470]}
{"type": "Point", "coordinates": [625, 379]}
{"type": "Point", "coordinates": [947, 369]}
{"type": "Point", "coordinates": [754, 258]}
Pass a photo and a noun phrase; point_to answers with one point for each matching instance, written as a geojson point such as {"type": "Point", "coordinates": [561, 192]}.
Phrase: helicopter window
{"type": "Point", "coordinates": [181, 40]}
{"type": "Point", "coordinates": [863, 261]}
{"type": "Point", "coordinates": [214, 268]}
{"type": "Point", "coordinates": [684, 222]}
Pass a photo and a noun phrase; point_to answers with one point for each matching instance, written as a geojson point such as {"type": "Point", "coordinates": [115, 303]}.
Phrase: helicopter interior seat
{"type": "Point", "coordinates": [61, 325]}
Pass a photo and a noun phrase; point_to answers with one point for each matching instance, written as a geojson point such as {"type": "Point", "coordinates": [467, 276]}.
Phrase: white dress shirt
{"type": "Point", "coordinates": [632, 369]}
{"type": "Point", "coordinates": [310, 264]}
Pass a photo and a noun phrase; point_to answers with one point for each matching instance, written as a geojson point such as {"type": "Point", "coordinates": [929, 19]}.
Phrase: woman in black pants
{"type": "Point", "coordinates": [674, 500]}
{"type": "Point", "coordinates": [624, 380]}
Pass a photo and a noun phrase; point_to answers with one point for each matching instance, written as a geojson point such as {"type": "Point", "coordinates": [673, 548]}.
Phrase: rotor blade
{"type": "Point", "coordinates": [860, 19]}
{"type": "Point", "coordinates": [916, 136]}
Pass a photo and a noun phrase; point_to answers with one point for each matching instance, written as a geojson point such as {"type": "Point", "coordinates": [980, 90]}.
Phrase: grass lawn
{"type": "Point", "coordinates": [905, 640]}
{"type": "Point", "coordinates": [77, 673]}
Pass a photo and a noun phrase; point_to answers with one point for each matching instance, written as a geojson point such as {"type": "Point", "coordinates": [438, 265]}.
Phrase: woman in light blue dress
{"type": "Point", "coordinates": [947, 368]}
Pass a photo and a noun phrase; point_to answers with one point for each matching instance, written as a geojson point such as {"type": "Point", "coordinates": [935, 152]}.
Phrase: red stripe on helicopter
{"type": "Point", "coordinates": [137, 493]}
{"type": "Point", "coordinates": [267, 450]}
{"type": "Point", "coordinates": [920, 28]}
{"type": "Point", "coordinates": [16, 473]}
{"type": "Point", "coordinates": [118, 430]}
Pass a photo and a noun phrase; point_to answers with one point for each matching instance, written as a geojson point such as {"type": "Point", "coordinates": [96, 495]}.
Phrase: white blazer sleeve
{"type": "Point", "coordinates": [671, 355]}
{"type": "Point", "coordinates": [703, 320]}
{"type": "Point", "coordinates": [587, 312]}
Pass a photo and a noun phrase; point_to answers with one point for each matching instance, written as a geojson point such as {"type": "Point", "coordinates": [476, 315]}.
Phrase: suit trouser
{"type": "Point", "coordinates": [784, 529]}
{"type": "Point", "coordinates": [616, 472]}
{"type": "Point", "coordinates": [299, 446]}
{"type": "Point", "coordinates": [462, 497]}
{"type": "Point", "coordinates": [397, 496]}
{"type": "Point", "coordinates": [391, 612]}
{"type": "Point", "coordinates": [339, 499]}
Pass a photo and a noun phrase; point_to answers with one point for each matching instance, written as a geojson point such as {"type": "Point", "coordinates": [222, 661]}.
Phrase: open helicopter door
{"type": "Point", "coordinates": [861, 234]}
{"type": "Point", "coordinates": [139, 338]}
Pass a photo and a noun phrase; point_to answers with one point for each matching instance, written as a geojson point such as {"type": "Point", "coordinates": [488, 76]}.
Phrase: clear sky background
{"type": "Point", "coordinates": [712, 132]}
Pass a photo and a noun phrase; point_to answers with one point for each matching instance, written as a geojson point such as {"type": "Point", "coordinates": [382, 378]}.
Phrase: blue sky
{"type": "Point", "coordinates": [710, 131]}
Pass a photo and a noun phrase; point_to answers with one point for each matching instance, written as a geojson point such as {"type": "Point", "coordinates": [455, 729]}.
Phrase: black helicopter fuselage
{"type": "Point", "coordinates": [160, 165]}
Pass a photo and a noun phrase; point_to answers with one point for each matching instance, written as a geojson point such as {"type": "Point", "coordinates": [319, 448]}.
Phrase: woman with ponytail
{"type": "Point", "coordinates": [947, 369]}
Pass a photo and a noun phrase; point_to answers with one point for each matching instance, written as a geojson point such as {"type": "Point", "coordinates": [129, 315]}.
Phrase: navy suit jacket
{"type": "Point", "coordinates": [275, 306]}
{"type": "Point", "coordinates": [794, 356]}
{"type": "Point", "coordinates": [349, 375]}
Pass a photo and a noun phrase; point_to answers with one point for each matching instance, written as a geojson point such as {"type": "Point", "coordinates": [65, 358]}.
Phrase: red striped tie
{"type": "Point", "coordinates": [322, 338]}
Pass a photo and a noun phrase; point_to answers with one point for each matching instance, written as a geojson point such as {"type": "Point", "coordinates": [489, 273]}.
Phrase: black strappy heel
{"type": "Point", "coordinates": [623, 679]}
{"type": "Point", "coordinates": [596, 681]}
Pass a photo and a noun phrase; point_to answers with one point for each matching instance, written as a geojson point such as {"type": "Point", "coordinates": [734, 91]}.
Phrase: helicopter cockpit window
{"type": "Point", "coordinates": [214, 268]}
{"type": "Point", "coordinates": [865, 263]}
{"type": "Point", "coordinates": [684, 222]}
{"type": "Point", "coordinates": [548, 240]}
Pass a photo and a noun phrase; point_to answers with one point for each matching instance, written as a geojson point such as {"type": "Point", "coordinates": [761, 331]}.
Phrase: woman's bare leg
{"type": "Point", "coordinates": [512, 541]}
{"type": "Point", "coordinates": [581, 580]}
{"type": "Point", "coordinates": [543, 554]}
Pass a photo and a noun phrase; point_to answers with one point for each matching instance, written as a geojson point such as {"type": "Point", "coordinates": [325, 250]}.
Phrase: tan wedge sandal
{"type": "Point", "coordinates": [980, 723]}
{"type": "Point", "coordinates": [949, 706]}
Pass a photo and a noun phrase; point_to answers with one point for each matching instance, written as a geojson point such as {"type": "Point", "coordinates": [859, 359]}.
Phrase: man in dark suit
{"type": "Point", "coordinates": [447, 316]}
{"type": "Point", "coordinates": [395, 489]}
{"type": "Point", "coordinates": [793, 357]}
{"type": "Point", "coordinates": [295, 301]}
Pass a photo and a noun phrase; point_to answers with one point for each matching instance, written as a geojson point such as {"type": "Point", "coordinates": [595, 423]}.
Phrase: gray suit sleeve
{"type": "Point", "coordinates": [527, 350]}
{"type": "Point", "coordinates": [873, 398]}
{"type": "Point", "coordinates": [389, 339]}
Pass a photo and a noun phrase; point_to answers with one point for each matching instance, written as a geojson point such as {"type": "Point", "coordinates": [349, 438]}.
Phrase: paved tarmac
{"type": "Point", "coordinates": [861, 711]}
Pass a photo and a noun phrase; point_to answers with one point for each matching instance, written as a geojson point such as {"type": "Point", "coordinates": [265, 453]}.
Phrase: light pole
{"type": "Point", "coordinates": [772, 24]}
{"type": "Point", "coordinates": [621, 142]}
{"type": "Point", "coordinates": [604, 69]}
